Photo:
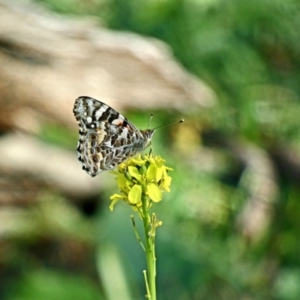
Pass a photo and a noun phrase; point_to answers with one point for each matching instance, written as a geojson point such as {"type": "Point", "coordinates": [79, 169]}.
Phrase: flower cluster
{"type": "Point", "coordinates": [141, 177]}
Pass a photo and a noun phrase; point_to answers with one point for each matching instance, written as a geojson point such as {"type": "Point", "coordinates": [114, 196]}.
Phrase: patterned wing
{"type": "Point", "coordinates": [106, 138]}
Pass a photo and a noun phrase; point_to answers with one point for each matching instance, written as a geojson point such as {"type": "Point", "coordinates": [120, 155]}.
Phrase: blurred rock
{"type": "Point", "coordinates": [28, 165]}
{"type": "Point", "coordinates": [259, 181]}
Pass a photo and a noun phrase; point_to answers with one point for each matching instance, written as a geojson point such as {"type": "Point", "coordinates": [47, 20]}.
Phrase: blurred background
{"type": "Point", "coordinates": [231, 222]}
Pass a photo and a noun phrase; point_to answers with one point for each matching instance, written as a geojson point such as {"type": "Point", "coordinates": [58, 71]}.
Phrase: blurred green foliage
{"type": "Point", "coordinates": [56, 134]}
{"type": "Point", "coordinates": [53, 286]}
{"type": "Point", "coordinates": [249, 53]}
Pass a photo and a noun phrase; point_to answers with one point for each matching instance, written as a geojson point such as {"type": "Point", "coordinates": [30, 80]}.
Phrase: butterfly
{"type": "Point", "coordinates": [106, 138]}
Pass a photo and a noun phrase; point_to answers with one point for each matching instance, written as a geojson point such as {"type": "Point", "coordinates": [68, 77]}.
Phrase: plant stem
{"type": "Point", "coordinates": [149, 251]}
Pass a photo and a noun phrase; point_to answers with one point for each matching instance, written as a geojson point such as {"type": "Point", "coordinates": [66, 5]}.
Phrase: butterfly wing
{"type": "Point", "coordinates": [106, 138]}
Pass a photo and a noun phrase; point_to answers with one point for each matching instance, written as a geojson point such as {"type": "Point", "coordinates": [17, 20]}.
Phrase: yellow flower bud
{"type": "Point", "coordinates": [142, 178]}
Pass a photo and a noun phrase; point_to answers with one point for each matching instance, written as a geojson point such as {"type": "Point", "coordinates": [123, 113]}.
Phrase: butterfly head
{"type": "Point", "coordinates": [148, 134]}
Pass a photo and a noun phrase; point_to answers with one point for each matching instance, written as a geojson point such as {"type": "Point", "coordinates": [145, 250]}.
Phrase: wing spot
{"type": "Point", "coordinates": [95, 158]}
{"type": "Point", "coordinates": [114, 138]}
{"type": "Point", "coordinates": [93, 137]}
{"type": "Point", "coordinates": [94, 143]}
{"type": "Point", "coordinates": [104, 115]}
{"type": "Point", "coordinates": [109, 156]}
{"type": "Point", "coordinates": [98, 149]}
{"type": "Point", "coordinates": [114, 117]}
{"type": "Point", "coordinates": [118, 143]}
{"type": "Point", "coordinates": [117, 122]}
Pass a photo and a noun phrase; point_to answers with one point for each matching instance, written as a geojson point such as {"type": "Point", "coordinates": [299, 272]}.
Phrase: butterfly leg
{"type": "Point", "coordinates": [150, 151]}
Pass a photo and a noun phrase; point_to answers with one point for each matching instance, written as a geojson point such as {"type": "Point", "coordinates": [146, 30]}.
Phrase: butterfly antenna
{"type": "Point", "coordinates": [167, 125]}
{"type": "Point", "coordinates": [151, 116]}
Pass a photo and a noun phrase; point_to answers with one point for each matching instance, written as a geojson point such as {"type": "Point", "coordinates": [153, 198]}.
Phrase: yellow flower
{"type": "Point", "coordinates": [141, 177]}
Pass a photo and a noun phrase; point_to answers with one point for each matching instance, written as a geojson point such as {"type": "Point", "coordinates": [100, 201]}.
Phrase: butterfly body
{"type": "Point", "coordinates": [106, 138]}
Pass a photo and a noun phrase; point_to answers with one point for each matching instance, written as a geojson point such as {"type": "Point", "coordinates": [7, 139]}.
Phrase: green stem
{"type": "Point", "coordinates": [137, 234]}
{"type": "Point", "coordinates": [149, 251]}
